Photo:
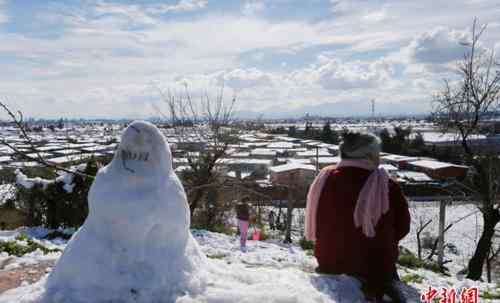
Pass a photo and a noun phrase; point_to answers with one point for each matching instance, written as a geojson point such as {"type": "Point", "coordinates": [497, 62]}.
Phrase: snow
{"type": "Point", "coordinates": [464, 234]}
{"type": "Point", "coordinates": [65, 177]}
{"type": "Point", "coordinates": [291, 166]}
{"type": "Point", "coordinates": [413, 176]}
{"type": "Point", "coordinates": [269, 272]}
{"type": "Point", "coordinates": [326, 160]}
{"type": "Point", "coordinates": [7, 191]}
{"type": "Point", "coordinates": [135, 245]}
{"type": "Point", "coordinates": [439, 137]}
{"type": "Point", "coordinates": [263, 152]}
{"type": "Point", "coordinates": [430, 164]}
{"type": "Point", "coordinates": [397, 158]}
{"type": "Point", "coordinates": [39, 154]}
{"type": "Point", "coordinates": [28, 183]}
{"type": "Point", "coordinates": [281, 145]}
{"type": "Point", "coordinates": [388, 167]}
{"type": "Point", "coordinates": [312, 153]}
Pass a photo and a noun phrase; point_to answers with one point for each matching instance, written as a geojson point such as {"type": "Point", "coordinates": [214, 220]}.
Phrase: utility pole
{"type": "Point", "coordinates": [373, 109]}
{"type": "Point", "coordinates": [317, 159]}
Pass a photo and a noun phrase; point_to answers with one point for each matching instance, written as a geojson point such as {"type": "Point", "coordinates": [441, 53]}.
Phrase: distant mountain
{"type": "Point", "coordinates": [340, 109]}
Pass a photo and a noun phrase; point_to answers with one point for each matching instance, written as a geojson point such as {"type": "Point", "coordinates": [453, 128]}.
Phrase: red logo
{"type": "Point", "coordinates": [450, 295]}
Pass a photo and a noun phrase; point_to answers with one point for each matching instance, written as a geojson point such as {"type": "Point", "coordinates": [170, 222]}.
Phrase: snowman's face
{"type": "Point", "coordinates": [137, 144]}
{"type": "Point", "coordinates": [142, 144]}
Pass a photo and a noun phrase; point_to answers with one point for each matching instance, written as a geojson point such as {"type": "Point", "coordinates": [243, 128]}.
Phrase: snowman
{"type": "Point", "coordinates": [135, 245]}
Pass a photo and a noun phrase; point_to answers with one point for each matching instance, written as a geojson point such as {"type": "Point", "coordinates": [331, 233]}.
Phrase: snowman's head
{"type": "Point", "coordinates": [143, 149]}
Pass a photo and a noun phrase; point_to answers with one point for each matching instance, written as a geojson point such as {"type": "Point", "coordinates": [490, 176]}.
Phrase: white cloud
{"type": "Point", "coordinates": [253, 7]}
{"type": "Point", "coordinates": [376, 16]}
{"type": "Point", "coordinates": [244, 78]}
{"type": "Point", "coordinates": [181, 6]}
{"type": "Point", "coordinates": [4, 18]}
{"type": "Point", "coordinates": [111, 54]}
{"type": "Point", "coordinates": [440, 45]}
{"type": "Point", "coordinates": [334, 74]}
{"type": "Point", "coordinates": [343, 6]}
{"type": "Point", "coordinates": [134, 10]}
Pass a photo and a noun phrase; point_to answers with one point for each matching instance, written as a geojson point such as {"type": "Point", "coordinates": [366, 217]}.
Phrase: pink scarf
{"type": "Point", "coordinates": [373, 200]}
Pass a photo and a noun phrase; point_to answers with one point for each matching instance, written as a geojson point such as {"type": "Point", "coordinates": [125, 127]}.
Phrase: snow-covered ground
{"type": "Point", "coordinates": [271, 271]}
{"type": "Point", "coordinates": [268, 272]}
{"type": "Point", "coordinates": [464, 234]}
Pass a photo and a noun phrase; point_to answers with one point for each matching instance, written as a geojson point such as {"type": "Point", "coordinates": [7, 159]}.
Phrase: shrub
{"type": "Point", "coordinates": [412, 278]}
{"type": "Point", "coordinates": [408, 259]}
{"type": "Point", "coordinates": [222, 228]}
{"type": "Point", "coordinates": [57, 234]}
{"type": "Point", "coordinates": [489, 295]}
{"type": "Point", "coordinates": [51, 204]}
{"type": "Point", "coordinates": [14, 247]}
{"type": "Point", "coordinates": [306, 245]}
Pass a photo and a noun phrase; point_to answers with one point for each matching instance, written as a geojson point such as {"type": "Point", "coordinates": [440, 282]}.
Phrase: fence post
{"type": "Point", "coordinates": [442, 219]}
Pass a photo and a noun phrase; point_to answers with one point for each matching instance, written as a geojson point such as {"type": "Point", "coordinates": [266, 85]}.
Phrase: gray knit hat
{"type": "Point", "coordinates": [356, 145]}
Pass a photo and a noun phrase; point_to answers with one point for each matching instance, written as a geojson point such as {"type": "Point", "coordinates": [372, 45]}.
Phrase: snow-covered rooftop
{"type": "Point", "coordinates": [313, 153]}
{"type": "Point", "coordinates": [291, 166]}
{"type": "Point", "coordinates": [413, 176]}
{"type": "Point", "coordinates": [433, 164]}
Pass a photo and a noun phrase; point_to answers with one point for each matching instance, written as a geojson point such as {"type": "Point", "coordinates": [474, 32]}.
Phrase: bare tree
{"type": "Point", "coordinates": [205, 122]}
{"type": "Point", "coordinates": [462, 107]}
{"type": "Point", "coordinates": [493, 255]}
{"type": "Point", "coordinates": [421, 227]}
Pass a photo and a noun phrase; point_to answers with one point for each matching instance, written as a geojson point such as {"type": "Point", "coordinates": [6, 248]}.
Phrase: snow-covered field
{"type": "Point", "coordinates": [271, 271]}
{"type": "Point", "coordinates": [268, 272]}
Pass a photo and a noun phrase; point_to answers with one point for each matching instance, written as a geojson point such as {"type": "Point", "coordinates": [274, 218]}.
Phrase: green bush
{"type": "Point", "coordinates": [306, 244]}
{"type": "Point", "coordinates": [408, 259]}
{"type": "Point", "coordinates": [52, 206]}
{"type": "Point", "coordinates": [15, 248]}
{"type": "Point", "coordinates": [489, 295]}
{"type": "Point", "coordinates": [264, 234]}
{"type": "Point", "coordinates": [412, 278]}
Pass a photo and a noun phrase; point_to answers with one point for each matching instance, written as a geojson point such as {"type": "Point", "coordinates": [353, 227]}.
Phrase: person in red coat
{"type": "Point", "coordinates": [360, 216]}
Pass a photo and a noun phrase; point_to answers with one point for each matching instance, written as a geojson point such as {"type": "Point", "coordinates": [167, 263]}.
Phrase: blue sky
{"type": "Point", "coordinates": [109, 58]}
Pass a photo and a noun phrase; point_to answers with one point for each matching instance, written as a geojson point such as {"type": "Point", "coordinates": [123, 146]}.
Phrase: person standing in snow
{"type": "Point", "coordinates": [357, 215]}
{"type": "Point", "coordinates": [271, 219]}
{"type": "Point", "coordinates": [243, 216]}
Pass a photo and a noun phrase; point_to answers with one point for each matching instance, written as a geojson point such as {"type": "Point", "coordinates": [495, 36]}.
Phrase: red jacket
{"type": "Point", "coordinates": [343, 249]}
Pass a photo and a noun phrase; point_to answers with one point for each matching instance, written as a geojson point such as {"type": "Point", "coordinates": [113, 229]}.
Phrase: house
{"type": "Point", "coordinates": [281, 145]}
{"type": "Point", "coordinates": [263, 153]}
{"type": "Point", "coordinates": [293, 173]}
{"type": "Point", "coordinates": [256, 166]}
{"type": "Point", "coordinates": [439, 170]}
{"type": "Point", "coordinates": [389, 168]}
{"type": "Point", "coordinates": [397, 160]}
{"type": "Point", "coordinates": [412, 176]}
{"type": "Point", "coordinates": [313, 153]}
{"type": "Point", "coordinates": [325, 161]}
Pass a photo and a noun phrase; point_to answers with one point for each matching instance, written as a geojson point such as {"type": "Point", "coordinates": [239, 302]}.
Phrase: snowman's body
{"type": "Point", "coordinates": [135, 245]}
